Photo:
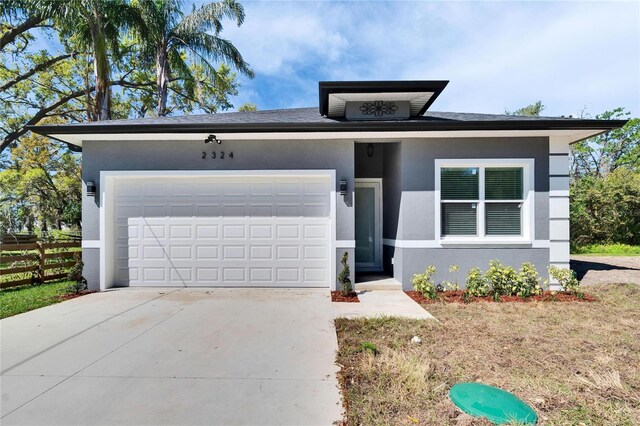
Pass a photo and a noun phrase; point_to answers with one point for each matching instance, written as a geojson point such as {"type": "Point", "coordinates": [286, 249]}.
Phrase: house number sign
{"type": "Point", "coordinates": [217, 155]}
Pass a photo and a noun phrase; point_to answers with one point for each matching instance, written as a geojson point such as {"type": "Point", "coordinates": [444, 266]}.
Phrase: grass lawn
{"type": "Point", "coordinates": [607, 250]}
{"type": "Point", "coordinates": [576, 363]}
{"type": "Point", "coordinates": [17, 300]}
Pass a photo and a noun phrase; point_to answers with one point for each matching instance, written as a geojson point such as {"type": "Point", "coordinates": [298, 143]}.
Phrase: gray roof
{"type": "Point", "coordinates": [309, 119]}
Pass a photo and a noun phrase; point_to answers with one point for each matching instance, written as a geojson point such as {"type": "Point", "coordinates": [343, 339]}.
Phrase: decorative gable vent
{"type": "Point", "coordinates": [377, 110]}
{"type": "Point", "coordinates": [378, 100]}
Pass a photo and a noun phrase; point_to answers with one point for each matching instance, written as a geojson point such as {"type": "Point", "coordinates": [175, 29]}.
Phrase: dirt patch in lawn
{"type": "Point", "coordinates": [457, 296]}
{"type": "Point", "coordinates": [575, 363]}
{"type": "Point", "coordinates": [337, 296]}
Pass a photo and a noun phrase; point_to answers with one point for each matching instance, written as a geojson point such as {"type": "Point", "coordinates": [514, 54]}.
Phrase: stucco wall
{"type": "Point", "coordinates": [187, 155]}
{"type": "Point", "coordinates": [418, 177]}
{"type": "Point", "coordinates": [369, 167]}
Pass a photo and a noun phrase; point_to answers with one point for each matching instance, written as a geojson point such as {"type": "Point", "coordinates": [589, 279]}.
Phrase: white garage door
{"type": "Point", "coordinates": [223, 231]}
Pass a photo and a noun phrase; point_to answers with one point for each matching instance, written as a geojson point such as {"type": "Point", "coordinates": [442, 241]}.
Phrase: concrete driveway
{"type": "Point", "coordinates": [187, 356]}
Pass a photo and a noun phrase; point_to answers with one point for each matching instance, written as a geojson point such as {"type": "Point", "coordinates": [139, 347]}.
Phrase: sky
{"type": "Point", "coordinates": [575, 57]}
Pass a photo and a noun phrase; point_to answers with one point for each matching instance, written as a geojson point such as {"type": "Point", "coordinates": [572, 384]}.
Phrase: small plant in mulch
{"type": "Point", "coordinates": [346, 293]}
{"type": "Point", "coordinates": [423, 283]}
{"type": "Point", "coordinates": [477, 283]}
{"type": "Point", "coordinates": [565, 277]}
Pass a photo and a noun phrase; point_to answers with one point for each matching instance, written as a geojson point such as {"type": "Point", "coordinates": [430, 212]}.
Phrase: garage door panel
{"type": "Point", "coordinates": [256, 232]}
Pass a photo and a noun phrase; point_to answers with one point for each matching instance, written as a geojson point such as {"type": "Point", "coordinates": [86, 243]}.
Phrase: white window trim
{"type": "Point", "coordinates": [528, 207]}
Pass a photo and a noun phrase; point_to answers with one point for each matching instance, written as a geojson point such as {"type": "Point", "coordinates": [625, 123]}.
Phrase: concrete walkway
{"type": "Point", "coordinates": [374, 303]}
{"type": "Point", "coordinates": [224, 356]}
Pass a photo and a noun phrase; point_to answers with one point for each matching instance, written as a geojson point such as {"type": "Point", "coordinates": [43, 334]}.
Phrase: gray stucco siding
{"type": "Point", "coordinates": [418, 177]}
{"type": "Point", "coordinates": [335, 155]}
{"type": "Point", "coordinates": [369, 167]}
{"type": "Point", "coordinates": [91, 270]}
{"type": "Point", "coordinates": [414, 260]}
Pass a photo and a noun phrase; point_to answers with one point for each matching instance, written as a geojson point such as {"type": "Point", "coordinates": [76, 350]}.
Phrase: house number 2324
{"type": "Point", "coordinates": [217, 155]}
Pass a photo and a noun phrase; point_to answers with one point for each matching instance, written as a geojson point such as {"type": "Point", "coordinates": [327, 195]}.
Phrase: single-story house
{"type": "Point", "coordinates": [274, 198]}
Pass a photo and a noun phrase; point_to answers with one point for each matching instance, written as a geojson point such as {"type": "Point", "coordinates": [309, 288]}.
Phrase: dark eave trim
{"type": "Point", "coordinates": [325, 88]}
{"type": "Point", "coordinates": [352, 126]}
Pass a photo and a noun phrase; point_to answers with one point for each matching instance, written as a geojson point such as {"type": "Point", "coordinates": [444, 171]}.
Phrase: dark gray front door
{"type": "Point", "coordinates": [368, 204]}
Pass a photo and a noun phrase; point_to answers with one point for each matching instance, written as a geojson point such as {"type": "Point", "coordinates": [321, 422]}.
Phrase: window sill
{"type": "Point", "coordinates": [487, 243]}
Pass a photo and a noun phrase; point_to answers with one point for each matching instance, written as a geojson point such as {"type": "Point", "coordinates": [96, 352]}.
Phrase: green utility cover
{"type": "Point", "coordinates": [497, 405]}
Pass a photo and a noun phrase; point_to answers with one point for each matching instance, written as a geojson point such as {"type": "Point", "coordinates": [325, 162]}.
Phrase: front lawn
{"type": "Point", "coordinates": [575, 363]}
{"type": "Point", "coordinates": [17, 300]}
{"type": "Point", "coordinates": [607, 250]}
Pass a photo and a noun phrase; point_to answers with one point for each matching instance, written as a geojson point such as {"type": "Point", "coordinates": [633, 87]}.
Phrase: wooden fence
{"type": "Point", "coordinates": [22, 255]}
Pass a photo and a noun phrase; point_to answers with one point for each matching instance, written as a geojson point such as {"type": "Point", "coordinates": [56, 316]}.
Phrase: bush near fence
{"type": "Point", "coordinates": [26, 261]}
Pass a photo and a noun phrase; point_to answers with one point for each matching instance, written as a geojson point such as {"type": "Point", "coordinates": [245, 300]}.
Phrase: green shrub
{"type": "Point", "coordinates": [424, 284]}
{"type": "Point", "coordinates": [452, 286]}
{"type": "Point", "coordinates": [477, 283]}
{"type": "Point", "coordinates": [565, 277]}
{"type": "Point", "coordinates": [78, 282]}
{"type": "Point", "coordinates": [606, 209]}
{"type": "Point", "coordinates": [528, 281]}
{"type": "Point", "coordinates": [344, 275]}
{"type": "Point", "coordinates": [503, 279]}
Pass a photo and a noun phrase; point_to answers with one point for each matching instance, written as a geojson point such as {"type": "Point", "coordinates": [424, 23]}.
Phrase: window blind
{"type": "Point", "coordinates": [459, 183]}
{"type": "Point", "coordinates": [504, 183]}
{"type": "Point", "coordinates": [459, 219]}
{"type": "Point", "coordinates": [502, 219]}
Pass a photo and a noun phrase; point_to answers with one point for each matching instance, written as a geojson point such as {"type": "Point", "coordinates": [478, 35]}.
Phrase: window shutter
{"type": "Point", "coordinates": [503, 218]}
{"type": "Point", "coordinates": [503, 183]}
{"type": "Point", "coordinates": [459, 219]}
{"type": "Point", "coordinates": [459, 183]}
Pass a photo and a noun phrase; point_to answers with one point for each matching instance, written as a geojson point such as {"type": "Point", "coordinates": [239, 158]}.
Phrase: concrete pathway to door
{"type": "Point", "coordinates": [187, 356]}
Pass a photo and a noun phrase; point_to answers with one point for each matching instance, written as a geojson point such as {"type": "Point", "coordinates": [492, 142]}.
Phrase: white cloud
{"type": "Point", "coordinates": [497, 55]}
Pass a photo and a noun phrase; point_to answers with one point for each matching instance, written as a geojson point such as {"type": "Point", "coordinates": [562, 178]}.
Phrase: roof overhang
{"type": "Point", "coordinates": [336, 96]}
{"type": "Point", "coordinates": [570, 135]}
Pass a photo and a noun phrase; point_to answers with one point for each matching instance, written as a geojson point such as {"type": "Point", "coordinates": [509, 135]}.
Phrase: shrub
{"type": "Point", "coordinates": [79, 283]}
{"type": "Point", "coordinates": [344, 275]}
{"type": "Point", "coordinates": [529, 281]}
{"type": "Point", "coordinates": [424, 284]}
{"type": "Point", "coordinates": [503, 279]}
{"type": "Point", "coordinates": [448, 285]}
{"type": "Point", "coordinates": [477, 284]}
{"type": "Point", "coordinates": [565, 277]}
{"type": "Point", "coordinates": [606, 210]}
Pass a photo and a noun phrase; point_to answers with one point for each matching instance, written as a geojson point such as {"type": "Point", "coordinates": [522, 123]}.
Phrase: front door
{"type": "Point", "coordinates": [368, 202]}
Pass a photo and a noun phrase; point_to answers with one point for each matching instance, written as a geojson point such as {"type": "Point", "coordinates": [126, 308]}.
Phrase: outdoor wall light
{"type": "Point", "coordinates": [212, 139]}
{"type": "Point", "coordinates": [370, 150]}
{"type": "Point", "coordinates": [91, 189]}
{"type": "Point", "coordinates": [343, 187]}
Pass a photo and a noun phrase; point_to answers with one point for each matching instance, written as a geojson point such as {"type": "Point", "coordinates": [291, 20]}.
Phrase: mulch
{"type": "Point", "coordinates": [337, 296]}
{"type": "Point", "coordinates": [457, 296]}
{"type": "Point", "coordinates": [70, 296]}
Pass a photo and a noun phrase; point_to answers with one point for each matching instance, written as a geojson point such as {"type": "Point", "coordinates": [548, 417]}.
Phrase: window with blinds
{"type": "Point", "coordinates": [483, 201]}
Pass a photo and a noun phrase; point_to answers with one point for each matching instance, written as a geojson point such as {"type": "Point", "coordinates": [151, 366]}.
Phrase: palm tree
{"type": "Point", "coordinates": [171, 38]}
{"type": "Point", "coordinates": [97, 26]}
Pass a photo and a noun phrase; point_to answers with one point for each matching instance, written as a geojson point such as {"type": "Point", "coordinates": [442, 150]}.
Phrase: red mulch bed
{"type": "Point", "coordinates": [458, 297]}
{"type": "Point", "coordinates": [337, 296]}
{"type": "Point", "coordinates": [70, 296]}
